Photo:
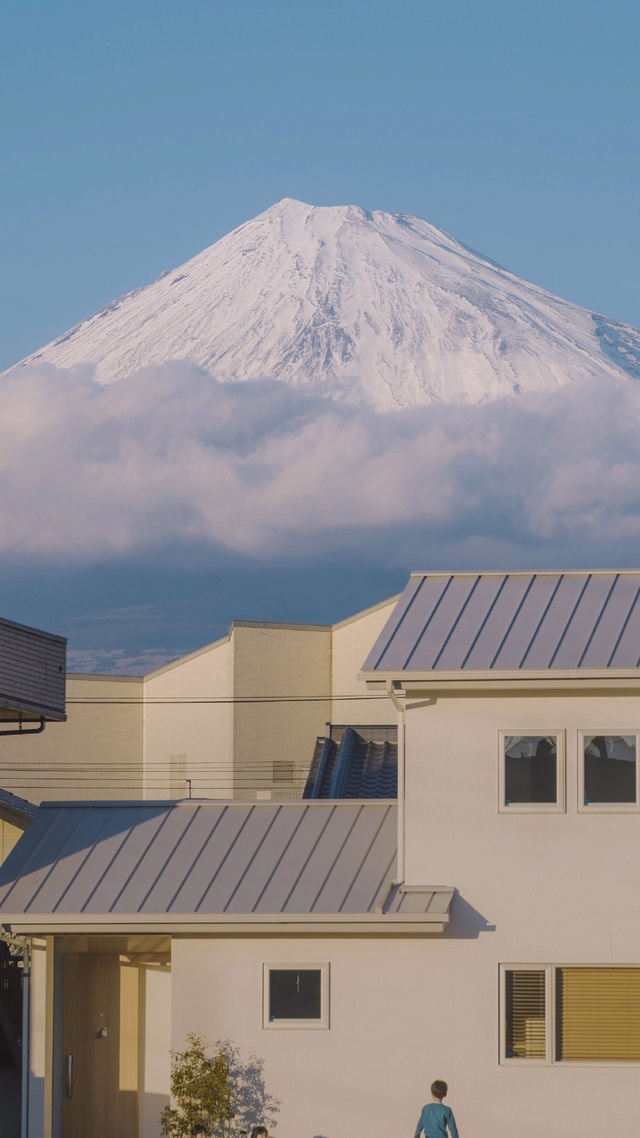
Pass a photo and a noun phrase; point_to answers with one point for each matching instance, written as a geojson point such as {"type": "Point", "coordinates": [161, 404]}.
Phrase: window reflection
{"type": "Point", "coordinates": [530, 768]}
{"type": "Point", "coordinates": [609, 768]}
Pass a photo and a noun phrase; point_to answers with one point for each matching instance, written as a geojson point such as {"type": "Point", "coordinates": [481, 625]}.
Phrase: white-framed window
{"type": "Point", "coordinates": [564, 1014]}
{"type": "Point", "coordinates": [607, 771]}
{"type": "Point", "coordinates": [295, 996]}
{"type": "Point", "coordinates": [531, 772]}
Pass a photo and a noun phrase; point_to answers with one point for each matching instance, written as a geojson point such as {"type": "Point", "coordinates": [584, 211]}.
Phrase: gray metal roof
{"type": "Point", "coordinates": [208, 858]}
{"type": "Point", "coordinates": [510, 621]}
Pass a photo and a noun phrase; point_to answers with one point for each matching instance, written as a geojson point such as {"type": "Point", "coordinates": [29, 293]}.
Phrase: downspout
{"type": "Point", "coordinates": [401, 709]}
{"type": "Point", "coordinates": [26, 1039]}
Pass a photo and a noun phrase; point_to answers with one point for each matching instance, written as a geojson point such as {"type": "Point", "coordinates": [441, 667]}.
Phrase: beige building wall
{"type": "Point", "coordinates": [238, 717]}
{"type": "Point", "coordinates": [97, 753]}
{"type": "Point", "coordinates": [282, 689]}
{"type": "Point", "coordinates": [352, 641]}
{"type": "Point", "coordinates": [188, 725]}
{"type": "Point", "coordinates": [9, 835]}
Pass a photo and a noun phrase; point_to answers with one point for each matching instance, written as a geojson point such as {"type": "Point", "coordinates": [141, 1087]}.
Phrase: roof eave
{"type": "Point", "coordinates": [406, 682]}
{"type": "Point", "coordinates": [230, 924]}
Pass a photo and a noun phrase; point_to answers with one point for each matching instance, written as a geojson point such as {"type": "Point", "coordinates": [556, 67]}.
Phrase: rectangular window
{"type": "Point", "coordinates": [598, 1015]}
{"type": "Point", "coordinates": [525, 1002]}
{"type": "Point", "coordinates": [295, 996]}
{"type": "Point", "coordinates": [594, 1016]}
{"type": "Point", "coordinates": [531, 772]}
{"type": "Point", "coordinates": [609, 775]}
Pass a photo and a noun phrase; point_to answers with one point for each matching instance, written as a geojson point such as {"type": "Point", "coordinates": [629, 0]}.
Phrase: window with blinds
{"type": "Point", "coordinates": [598, 1014]}
{"type": "Point", "coordinates": [525, 1000]}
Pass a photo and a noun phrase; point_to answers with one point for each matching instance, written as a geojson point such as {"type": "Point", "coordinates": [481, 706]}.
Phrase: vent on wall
{"type": "Point", "coordinates": [283, 770]}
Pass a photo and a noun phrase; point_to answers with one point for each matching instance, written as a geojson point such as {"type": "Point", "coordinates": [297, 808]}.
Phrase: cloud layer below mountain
{"type": "Point", "coordinates": [91, 473]}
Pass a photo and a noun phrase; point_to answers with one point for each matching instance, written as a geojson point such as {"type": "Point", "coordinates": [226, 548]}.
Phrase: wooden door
{"type": "Point", "coordinates": [100, 1095]}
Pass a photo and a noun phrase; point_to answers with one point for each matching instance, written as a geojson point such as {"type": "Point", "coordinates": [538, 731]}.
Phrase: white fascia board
{"type": "Point", "coordinates": [578, 678]}
{"type": "Point", "coordinates": [225, 924]}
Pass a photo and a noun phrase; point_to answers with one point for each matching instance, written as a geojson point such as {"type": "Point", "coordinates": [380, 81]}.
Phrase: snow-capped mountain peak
{"type": "Point", "coordinates": [387, 306]}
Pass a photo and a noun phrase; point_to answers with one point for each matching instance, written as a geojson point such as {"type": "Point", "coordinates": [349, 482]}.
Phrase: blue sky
{"type": "Point", "coordinates": [133, 134]}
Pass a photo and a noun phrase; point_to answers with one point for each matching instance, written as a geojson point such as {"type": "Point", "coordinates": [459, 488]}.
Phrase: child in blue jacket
{"type": "Point", "coordinates": [435, 1118]}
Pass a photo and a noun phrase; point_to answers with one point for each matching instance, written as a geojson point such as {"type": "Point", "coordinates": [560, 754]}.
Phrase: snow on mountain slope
{"type": "Point", "coordinates": [383, 304]}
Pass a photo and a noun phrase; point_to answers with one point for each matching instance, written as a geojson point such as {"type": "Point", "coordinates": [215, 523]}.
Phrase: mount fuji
{"type": "Point", "coordinates": [384, 308]}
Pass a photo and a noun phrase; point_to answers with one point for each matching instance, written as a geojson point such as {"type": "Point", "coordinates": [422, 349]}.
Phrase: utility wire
{"type": "Point", "coordinates": [162, 701]}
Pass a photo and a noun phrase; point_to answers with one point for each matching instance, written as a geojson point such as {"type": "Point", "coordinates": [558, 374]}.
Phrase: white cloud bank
{"type": "Point", "coordinates": [90, 472]}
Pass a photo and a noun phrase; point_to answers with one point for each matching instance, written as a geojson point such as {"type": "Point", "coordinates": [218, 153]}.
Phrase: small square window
{"type": "Point", "coordinates": [295, 996]}
{"type": "Point", "coordinates": [609, 770]}
{"type": "Point", "coordinates": [531, 771]}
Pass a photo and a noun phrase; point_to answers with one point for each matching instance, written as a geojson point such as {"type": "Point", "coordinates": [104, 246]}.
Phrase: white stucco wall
{"type": "Point", "coordinates": [38, 1039]}
{"type": "Point", "coordinates": [538, 888]}
{"type": "Point", "coordinates": [394, 1026]}
{"type": "Point", "coordinates": [155, 1043]}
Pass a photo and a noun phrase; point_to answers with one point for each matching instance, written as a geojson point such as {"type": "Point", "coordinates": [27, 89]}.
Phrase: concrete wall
{"type": "Point", "coordinates": [9, 835]}
{"type": "Point", "coordinates": [228, 718]}
{"type": "Point", "coordinates": [187, 734]}
{"type": "Point", "coordinates": [97, 753]}
{"type": "Point", "coordinates": [352, 641]}
{"type": "Point", "coordinates": [284, 672]}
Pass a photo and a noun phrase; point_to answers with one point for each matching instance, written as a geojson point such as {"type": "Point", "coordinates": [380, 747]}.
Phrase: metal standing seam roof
{"type": "Point", "coordinates": [209, 860]}
{"type": "Point", "coordinates": [512, 621]}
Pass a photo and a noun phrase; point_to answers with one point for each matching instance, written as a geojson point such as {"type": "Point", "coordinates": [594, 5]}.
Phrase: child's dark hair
{"type": "Point", "coordinates": [439, 1089]}
{"type": "Point", "coordinates": [259, 1132]}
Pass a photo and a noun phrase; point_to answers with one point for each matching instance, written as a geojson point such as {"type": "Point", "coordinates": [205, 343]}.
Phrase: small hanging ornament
{"type": "Point", "coordinates": [101, 1032]}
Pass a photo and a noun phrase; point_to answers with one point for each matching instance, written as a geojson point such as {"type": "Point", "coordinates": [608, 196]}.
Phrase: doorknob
{"type": "Point", "coordinates": [69, 1071]}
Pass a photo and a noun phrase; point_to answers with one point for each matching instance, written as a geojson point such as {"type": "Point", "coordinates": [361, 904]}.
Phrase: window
{"type": "Point", "coordinates": [295, 996]}
{"type": "Point", "coordinates": [609, 771]}
{"type": "Point", "coordinates": [531, 772]}
{"type": "Point", "coordinates": [571, 1015]}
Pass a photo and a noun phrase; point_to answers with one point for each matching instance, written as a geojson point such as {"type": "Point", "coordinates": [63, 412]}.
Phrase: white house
{"type": "Point", "coordinates": [497, 948]}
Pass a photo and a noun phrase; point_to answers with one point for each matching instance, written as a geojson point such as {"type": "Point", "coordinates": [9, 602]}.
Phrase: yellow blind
{"type": "Point", "coordinates": [598, 1014]}
{"type": "Point", "coordinates": [525, 1015]}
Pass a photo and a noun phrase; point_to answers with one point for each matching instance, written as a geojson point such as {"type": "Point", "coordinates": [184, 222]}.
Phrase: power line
{"type": "Point", "coordinates": [161, 701]}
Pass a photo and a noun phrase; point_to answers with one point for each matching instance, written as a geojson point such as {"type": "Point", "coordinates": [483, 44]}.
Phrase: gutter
{"type": "Point", "coordinates": [226, 924]}
{"type": "Point", "coordinates": [401, 709]}
{"type": "Point", "coordinates": [26, 1039]}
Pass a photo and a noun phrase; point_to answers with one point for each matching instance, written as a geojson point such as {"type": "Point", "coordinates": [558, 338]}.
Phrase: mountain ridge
{"type": "Point", "coordinates": [384, 307]}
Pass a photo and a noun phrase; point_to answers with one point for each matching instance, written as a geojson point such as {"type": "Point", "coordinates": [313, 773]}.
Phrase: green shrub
{"type": "Point", "coordinates": [216, 1090]}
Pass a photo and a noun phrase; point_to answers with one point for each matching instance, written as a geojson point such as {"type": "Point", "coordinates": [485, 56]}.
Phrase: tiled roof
{"type": "Point", "coordinates": [512, 621]}
{"type": "Point", "coordinates": [17, 805]}
{"type": "Point", "coordinates": [355, 762]}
